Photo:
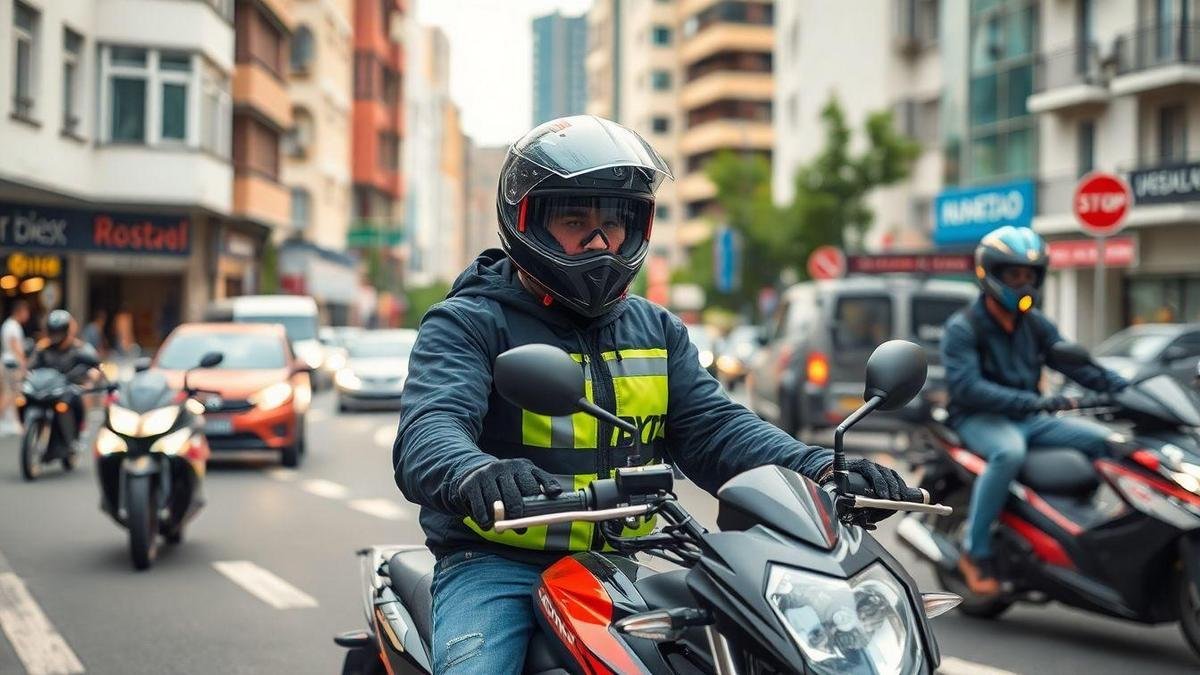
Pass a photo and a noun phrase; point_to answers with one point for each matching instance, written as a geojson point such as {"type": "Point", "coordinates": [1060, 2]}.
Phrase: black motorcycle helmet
{"type": "Point", "coordinates": [579, 163]}
{"type": "Point", "coordinates": [58, 326]}
{"type": "Point", "coordinates": [1011, 246]}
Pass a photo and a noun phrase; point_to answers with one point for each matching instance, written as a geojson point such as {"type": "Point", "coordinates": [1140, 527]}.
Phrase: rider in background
{"type": "Point", "coordinates": [993, 352]}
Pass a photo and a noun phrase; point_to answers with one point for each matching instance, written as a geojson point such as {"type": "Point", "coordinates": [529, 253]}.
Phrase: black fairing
{"type": "Point", "coordinates": [46, 383]}
{"type": "Point", "coordinates": [146, 391]}
{"type": "Point", "coordinates": [782, 500]}
{"type": "Point", "coordinates": [1160, 401]}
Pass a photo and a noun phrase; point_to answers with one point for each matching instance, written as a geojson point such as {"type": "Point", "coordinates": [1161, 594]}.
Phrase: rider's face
{"type": "Point", "coordinates": [1018, 276]}
{"type": "Point", "coordinates": [575, 230]}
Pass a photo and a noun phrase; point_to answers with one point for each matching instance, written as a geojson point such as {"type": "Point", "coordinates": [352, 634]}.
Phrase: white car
{"type": "Point", "coordinates": [376, 369]}
{"type": "Point", "coordinates": [296, 313]}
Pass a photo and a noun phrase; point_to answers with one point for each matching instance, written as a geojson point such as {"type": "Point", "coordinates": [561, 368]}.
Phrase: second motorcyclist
{"type": "Point", "coordinates": [993, 352]}
{"type": "Point", "coordinates": [61, 350]}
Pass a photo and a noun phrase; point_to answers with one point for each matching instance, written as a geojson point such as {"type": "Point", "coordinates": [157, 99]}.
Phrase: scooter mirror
{"type": "Point", "coordinates": [141, 365]}
{"type": "Point", "coordinates": [1069, 354]}
{"type": "Point", "coordinates": [211, 360]}
{"type": "Point", "coordinates": [895, 372]}
{"type": "Point", "coordinates": [540, 378]}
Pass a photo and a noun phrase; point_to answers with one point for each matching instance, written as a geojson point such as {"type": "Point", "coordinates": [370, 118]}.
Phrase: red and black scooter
{"type": "Point", "coordinates": [1119, 536]}
{"type": "Point", "coordinates": [789, 584]}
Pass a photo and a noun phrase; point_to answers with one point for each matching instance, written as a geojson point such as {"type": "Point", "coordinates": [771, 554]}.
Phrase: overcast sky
{"type": "Point", "coordinates": [491, 60]}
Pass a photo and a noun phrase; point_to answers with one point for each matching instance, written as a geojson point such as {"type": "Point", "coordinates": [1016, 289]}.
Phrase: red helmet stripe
{"type": "Point", "coordinates": [521, 214]}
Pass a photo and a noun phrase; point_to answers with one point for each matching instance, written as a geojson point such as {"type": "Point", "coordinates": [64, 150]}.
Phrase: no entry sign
{"type": "Point", "coordinates": [1101, 203]}
{"type": "Point", "coordinates": [826, 262]}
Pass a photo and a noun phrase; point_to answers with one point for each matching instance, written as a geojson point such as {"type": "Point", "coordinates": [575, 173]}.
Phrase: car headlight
{"type": "Point", "coordinates": [159, 420]}
{"type": "Point", "coordinates": [107, 442]}
{"type": "Point", "coordinates": [346, 379]}
{"type": "Point", "coordinates": [272, 396]}
{"type": "Point", "coordinates": [123, 421]}
{"type": "Point", "coordinates": [173, 443]}
{"type": "Point", "coordinates": [706, 359]}
{"type": "Point", "coordinates": [335, 362]}
{"type": "Point", "coordinates": [840, 624]}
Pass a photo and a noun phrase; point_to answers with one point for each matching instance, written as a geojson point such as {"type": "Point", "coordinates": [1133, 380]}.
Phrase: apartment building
{"type": "Point", "coordinates": [559, 76]}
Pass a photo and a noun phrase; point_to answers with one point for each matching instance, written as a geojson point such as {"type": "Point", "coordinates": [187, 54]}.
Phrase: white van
{"type": "Point", "coordinates": [296, 313]}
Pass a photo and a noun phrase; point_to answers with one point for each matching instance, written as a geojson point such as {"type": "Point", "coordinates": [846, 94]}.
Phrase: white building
{"type": "Point", "coordinates": [115, 127]}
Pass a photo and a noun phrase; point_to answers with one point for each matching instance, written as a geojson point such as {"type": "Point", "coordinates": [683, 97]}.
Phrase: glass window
{"type": "Point", "coordinates": [1019, 32]}
{"type": "Point", "coordinates": [128, 114]}
{"type": "Point", "coordinates": [25, 33]}
{"type": "Point", "coordinates": [1020, 86]}
{"type": "Point", "coordinates": [1172, 133]}
{"type": "Point", "coordinates": [985, 101]}
{"type": "Point", "coordinates": [301, 205]}
{"type": "Point", "coordinates": [72, 50]}
{"type": "Point", "coordinates": [985, 156]}
{"type": "Point", "coordinates": [929, 316]}
{"type": "Point", "coordinates": [862, 323]}
{"type": "Point", "coordinates": [215, 112]}
{"type": "Point", "coordinates": [128, 56]}
{"type": "Point", "coordinates": [1085, 147]}
{"type": "Point", "coordinates": [662, 212]}
{"type": "Point", "coordinates": [1019, 157]}
{"type": "Point", "coordinates": [174, 112]}
{"type": "Point", "coordinates": [660, 80]}
{"type": "Point", "coordinates": [660, 125]}
{"type": "Point", "coordinates": [661, 35]}
{"type": "Point", "coordinates": [302, 49]}
{"type": "Point", "coordinates": [179, 62]}
{"type": "Point", "coordinates": [241, 351]}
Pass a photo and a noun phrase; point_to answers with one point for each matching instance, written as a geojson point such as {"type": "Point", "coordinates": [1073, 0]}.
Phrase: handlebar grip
{"type": "Point", "coordinates": [916, 495]}
{"type": "Point", "coordinates": [540, 505]}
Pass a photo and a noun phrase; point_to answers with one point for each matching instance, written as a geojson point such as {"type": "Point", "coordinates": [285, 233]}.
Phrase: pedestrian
{"type": "Point", "coordinates": [14, 358]}
{"type": "Point", "coordinates": [93, 333]}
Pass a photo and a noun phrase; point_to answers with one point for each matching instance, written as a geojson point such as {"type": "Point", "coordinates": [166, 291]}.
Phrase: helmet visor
{"type": "Point", "coordinates": [572, 226]}
{"type": "Point", "coordinates": [572, 146]}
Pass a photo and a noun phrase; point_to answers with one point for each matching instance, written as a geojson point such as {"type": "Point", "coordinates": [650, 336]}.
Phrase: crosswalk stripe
{"type": "Point", "coordinates": [380, 508]}
{"type": "Point", "coordinates": [325, 488]}
{"type": "Point", "coordinates": [264, 585]}
{"type": "Point", "coordinates": [38, 645]}
{"type": "Point", "coordinates": [955, 666]}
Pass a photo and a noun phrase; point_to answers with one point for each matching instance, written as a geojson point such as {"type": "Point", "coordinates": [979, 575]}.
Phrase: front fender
{"type": "Point", "coordinates": [142, 465]}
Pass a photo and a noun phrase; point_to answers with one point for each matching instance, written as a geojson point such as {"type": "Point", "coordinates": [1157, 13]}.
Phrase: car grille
{"type": "Point", "coordinates": [228, 405]}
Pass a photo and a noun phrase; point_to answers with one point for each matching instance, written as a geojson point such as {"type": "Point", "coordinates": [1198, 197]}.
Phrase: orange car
{"type": "Point", "coordinates": [256, 399]}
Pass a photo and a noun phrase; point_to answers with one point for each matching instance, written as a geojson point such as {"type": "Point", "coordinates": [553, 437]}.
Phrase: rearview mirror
{"type": "Point", "coordinates": [86, 357]}
{"type": "Point", "coordinates": [211, 360]}
{"type": "Point", "coordinates": [896, 372]}
{"type": "Point", "coordinates": [1069, 354]}
{"type": "Point", "coordinates": [539, 378]}
{"type": "Point", "coordinates": [142, 364]}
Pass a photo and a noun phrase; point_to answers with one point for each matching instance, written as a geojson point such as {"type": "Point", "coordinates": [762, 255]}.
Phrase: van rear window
{"type": "Point", "coordinates": [930, 314]}
{"type": "Point", "coordinates": [862, 323]}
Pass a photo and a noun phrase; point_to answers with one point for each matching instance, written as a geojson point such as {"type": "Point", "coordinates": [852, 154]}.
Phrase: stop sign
{"type": "Point", "coordinates": [1101, 202]}
{"type": "Point", "coordinates": [826, 262]}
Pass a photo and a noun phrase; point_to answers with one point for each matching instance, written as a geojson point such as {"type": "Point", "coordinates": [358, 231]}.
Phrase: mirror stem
{"type": "Point", "coordinates": [600, 413]}
{"type": "Point", "coordinates": [841, 475]}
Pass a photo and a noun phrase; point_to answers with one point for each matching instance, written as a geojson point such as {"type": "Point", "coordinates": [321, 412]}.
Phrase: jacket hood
{"type": "Point", "coordinates": [492, 275]}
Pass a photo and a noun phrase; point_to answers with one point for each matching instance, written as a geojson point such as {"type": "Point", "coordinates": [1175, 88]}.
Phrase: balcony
{"type": "Point", "coordinates": [1153, 58]}
{"type": "Point", "coordinates": [727, 37]}
{"type": "Point", "coordinates": [261, 199]}
{"type": "Point", "coordinates": [727, 134]}
{"type": "Point", "coordinates": [1068, 80]}
{"type": "Point", "coordinates": [257, 88]}
{"type": "Point", "coordinates": [915, 25]}
{"type": "Point", "coordinates": [727, 85]}
{"type": "Point", "coordinates": [696, 187]}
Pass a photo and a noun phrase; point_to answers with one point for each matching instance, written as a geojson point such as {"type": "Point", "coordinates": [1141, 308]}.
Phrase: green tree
{"type": "Point", "coordinates": [420, 299]}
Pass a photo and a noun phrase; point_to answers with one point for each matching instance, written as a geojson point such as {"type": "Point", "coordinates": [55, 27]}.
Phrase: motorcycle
{"type": "Point", "coordinates": [151, 457]}
{"type": "Point", "coordinates": [45, 409]}
{"type": "Point", "coordinates": [791, 583]}
{"type": "Point", "coordinates": [1118, 536]}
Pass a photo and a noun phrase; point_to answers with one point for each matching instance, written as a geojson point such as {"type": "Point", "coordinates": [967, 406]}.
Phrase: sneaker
{"type": "Point", "coordinates": [979, 576]}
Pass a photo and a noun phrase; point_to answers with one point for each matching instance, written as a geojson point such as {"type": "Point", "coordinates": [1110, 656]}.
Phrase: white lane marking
{"type": "Point", "coordinates": [325, 488]}
{"type": "Point", "coordinates": [385, 436]}
{"type": "Point", "coordinates": [264, 585]}
{"type": "Point", "coordinates": [283, 475]}
{"type": "Point", "coordinates": [380, 508]}
{"type": "Point", "coordinates": [38, 645]}
{"type": "Point", "coordinates": [955, 666]}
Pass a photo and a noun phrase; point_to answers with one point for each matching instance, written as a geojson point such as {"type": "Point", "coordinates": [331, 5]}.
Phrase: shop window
{"type": "Point", "coordinates": [26, 24]}
{"type": "Point", "coordinates": [303, 48]}
{"type": "Point", "coordinates": [660, 80]}
{"type": "Point", "coordinates": [72, 84]}
{"type": "Point", "coordinates": [140, 80]}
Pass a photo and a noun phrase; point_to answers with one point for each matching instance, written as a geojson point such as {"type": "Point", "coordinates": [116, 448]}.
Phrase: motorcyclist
{"type": "Point", "coordinates": [575, 207]}
{"type": "Point", "coordinates": [993, 352]}
{"type": "Point", "coordinates": [61, 350]}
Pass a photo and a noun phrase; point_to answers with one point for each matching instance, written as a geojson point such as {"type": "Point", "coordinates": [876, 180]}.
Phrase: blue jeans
{"type": "Point", "coordinates": [482, 613]}
{"type": "Point", "coordinates": [1004, 442]}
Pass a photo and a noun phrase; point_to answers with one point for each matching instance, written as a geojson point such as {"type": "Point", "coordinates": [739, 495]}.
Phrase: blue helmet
{"type": "Point", "coordinates": [1006, 247]}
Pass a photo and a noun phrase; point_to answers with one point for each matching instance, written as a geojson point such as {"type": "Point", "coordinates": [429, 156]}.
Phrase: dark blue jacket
{"type": "Point", "coordinates": [1006, 381]}
{"type": "Point", "coordinates": [453, 421]}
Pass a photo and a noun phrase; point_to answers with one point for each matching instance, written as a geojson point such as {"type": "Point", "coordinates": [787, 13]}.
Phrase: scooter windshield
{"type": "Point", "coordinates": [1163, 398]}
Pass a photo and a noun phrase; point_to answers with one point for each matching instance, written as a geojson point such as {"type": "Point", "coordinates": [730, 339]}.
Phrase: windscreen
{"type": "Point", "coordinates": [929, 316]}
{"type": "Point", "coordinates": [242, 351]}
{"type": "Point", "coordinates": [298, 327]}
{"type": "Point", "coordinates": [399, 347]}
{"type": "Point", "coordinates": [862, 323]}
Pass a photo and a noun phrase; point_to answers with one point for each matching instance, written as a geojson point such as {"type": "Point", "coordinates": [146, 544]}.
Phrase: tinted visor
{"type": "Point", "coordinates": [567, 225]}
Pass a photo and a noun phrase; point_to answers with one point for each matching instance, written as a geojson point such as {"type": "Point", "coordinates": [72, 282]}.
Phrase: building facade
{"type": "Point", "coordinates": [116, 181]}
{"type": "Point", "coordinates": [483, 180]}
{"type": "Point", "coordinates": [559, 77]}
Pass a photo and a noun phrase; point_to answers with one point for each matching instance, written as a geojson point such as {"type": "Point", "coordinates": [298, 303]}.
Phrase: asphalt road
{"type": "Point", "coordinates": [68, 593]}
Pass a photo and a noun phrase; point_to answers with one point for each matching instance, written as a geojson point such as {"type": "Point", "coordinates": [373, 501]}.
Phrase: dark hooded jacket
{"type": "Point", "coordinates": [453, 421]}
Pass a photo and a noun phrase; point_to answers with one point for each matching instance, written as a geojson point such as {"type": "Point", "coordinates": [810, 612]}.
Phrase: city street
{"type": "Point", "coordinates": [294, 533]}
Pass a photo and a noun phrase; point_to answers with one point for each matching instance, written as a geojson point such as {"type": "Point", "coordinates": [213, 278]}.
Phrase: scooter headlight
{"type": "Point", "coordinates": [159, 420]}
{"type": "Point", "coordinates": [108, 443]}
{"type": "Point", "coordinates": [1188, 477]}
{"type": "Point", "coordinates": [123, 421]}
{"type": "Point", "coordinates": [173, 443]}
{"type": "Point", "coordinates": [864, 624]}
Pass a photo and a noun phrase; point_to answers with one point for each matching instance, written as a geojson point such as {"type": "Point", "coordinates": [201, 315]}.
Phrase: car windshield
{"type": "Point", "coordinates": [298, 326]}
{"type": "Point", "coordinates": [242, 351]}
{"type": "Point", "coordinates": [399, 347]}
{"type": "Point", "coordinates": [1140, 346]}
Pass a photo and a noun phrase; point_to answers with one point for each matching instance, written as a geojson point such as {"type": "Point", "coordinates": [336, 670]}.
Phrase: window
{"type": "Point", "coordinates": [389, 152]}
{"type": "Point", "coordinates": [301, 208]}
{"type": "Point", "coordinates": [255, 148]}
{"type": "Point", "coordinates": [660, 125]}
{"type": "Point", "coordinates": [139, 81]}
{"type": "Point", "coordinates": [660, 80]}
{"type": "Point", "coordinates": [861, 323]}
{"type": "Point", "coordinates": [929, 317]}
{"type": "Point", "coordinates": [215, 112]}
{"type": "Point", "coordinates": [302, 49]}
{"type": "Point", "coordinates": [300, 137]}
{"type": "Point", "coordinates": [72, 54]}
{"type": "Point", "coordinates": [26, 21]}
{"type": "Point", "coordinates": [1086, 147]}
{"type": "Point", "coordinates": [258, 41]}
{"type": "Point", "coordinates": [1172, 133]}
{"type": "Point", "coordinates": [662, 212]}
{"type": "Point", "coordinates": [661, 36]}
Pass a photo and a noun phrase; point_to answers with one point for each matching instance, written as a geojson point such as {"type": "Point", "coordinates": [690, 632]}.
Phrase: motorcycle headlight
{"type": "Point", "coordinates": [346, 379]}
{"type": "Point", "coordinates": [159, 420]}
{"type": "Point", "coordinates": [123, 421]}
{"type": "Point", "coordinates": [272, 396]}
{"type": "Point", "coordinates": [107, 442]}
{"type": "Point", "coordinates": [864, 624]}
{"type": "Point", "coordinates": [173, 443]}
{"type": "Point", "coordinates": [1188, 477]}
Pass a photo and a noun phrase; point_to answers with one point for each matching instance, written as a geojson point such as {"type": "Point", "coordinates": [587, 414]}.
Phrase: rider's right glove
{"type": "Point", "coordinates": [1057, 403]}
{"type": "Point", "coordinates": [506, 480]}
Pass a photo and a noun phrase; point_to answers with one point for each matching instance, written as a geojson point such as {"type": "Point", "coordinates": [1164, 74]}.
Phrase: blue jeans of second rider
{"type": "Point", "coordinates": [1004, 442]}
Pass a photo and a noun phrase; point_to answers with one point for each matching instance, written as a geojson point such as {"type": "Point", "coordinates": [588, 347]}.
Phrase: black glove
{"type": "Point", "coordinates": [506, 480]}
{"type": "Point", "coordinates": [1057, 403]}
{"type": "Point", "coordinates": [1117, 384]}
{"type": "Point", "coordinates": [868, 479]}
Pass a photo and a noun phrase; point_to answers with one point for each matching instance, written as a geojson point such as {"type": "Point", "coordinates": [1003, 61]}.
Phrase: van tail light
{"type": "Point", "coordinates": [817, 369]}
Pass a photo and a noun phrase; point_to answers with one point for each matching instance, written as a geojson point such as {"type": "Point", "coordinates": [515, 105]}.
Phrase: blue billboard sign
{"type": "Point", "coordinates": [965, 215]}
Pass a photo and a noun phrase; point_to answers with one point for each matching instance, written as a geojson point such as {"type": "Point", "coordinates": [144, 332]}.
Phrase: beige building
{"type": "Point", "coordinates": [483, 176]}
{"type": "Point", "coordinates": [316, 150]}
{"type": "Point", "coordinates": [454, 191]}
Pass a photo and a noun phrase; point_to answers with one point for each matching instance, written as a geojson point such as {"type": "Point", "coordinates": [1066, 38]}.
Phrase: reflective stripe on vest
{"type": "Point", "coordinates": [640, 384]}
